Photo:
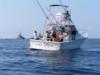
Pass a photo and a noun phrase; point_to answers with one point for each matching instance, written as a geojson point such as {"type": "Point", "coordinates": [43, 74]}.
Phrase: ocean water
{"type": "Point", "coordinates": [17, 59]}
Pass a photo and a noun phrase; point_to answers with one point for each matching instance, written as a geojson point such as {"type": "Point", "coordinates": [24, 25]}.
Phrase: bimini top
{"type": "Point", "coordinates": [56, 5]}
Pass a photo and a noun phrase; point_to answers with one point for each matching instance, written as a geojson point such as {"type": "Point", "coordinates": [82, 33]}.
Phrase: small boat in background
{"type": "Point", "coordinates": [20, 36]}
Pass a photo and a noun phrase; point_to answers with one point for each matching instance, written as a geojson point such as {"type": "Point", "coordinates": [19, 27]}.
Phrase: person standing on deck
{"type": "Point", "coordinates": [73, 32]}
{"type": "Point", "coordinates": [35, 35]}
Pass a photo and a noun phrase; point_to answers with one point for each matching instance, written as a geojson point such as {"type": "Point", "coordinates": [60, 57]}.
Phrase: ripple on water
{"type": "Point", "coordinates": [17, 59]}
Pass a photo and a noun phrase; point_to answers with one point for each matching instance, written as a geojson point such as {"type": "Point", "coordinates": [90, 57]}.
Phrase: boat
{"type": "Point", "coordinates": [60, 33]}
{"type": "Point", "coordinates": [20, 36]}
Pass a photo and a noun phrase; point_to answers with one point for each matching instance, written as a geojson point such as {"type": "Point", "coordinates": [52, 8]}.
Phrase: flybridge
{"type": "Point", "coordinates": [53, 5]}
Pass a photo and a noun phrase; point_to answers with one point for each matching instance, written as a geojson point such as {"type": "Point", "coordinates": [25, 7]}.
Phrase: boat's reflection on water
{"type": "Point", "coordinates": [53, 58]}
{"type": "Point", "coordinates": [54, 62]}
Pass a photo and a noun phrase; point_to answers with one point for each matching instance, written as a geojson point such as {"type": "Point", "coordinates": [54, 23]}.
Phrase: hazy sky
{"type": "Point", "coordinates": [25, 16]}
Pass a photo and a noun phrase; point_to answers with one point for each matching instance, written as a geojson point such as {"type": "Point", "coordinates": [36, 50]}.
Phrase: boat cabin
{"type": "Point", "coordinates": [61, 33]}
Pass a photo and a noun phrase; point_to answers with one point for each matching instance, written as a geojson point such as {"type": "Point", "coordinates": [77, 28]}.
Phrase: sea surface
{"type": "Point", "coordinates": [17, 59]}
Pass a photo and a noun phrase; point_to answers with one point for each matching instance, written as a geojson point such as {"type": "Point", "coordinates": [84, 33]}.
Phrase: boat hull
{"type": "Point", "coordinates": [48, 45]}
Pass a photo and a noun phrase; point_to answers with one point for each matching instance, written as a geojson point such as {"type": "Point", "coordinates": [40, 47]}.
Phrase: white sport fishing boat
{"type": "Point", "coordinates": [59, 33]}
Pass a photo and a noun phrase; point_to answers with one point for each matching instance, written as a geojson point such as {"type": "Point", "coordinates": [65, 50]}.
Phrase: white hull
{"type": "Point", "coordinates": [48, 45]}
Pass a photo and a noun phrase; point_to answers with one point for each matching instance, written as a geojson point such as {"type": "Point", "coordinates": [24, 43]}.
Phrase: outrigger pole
{"type": "Point", "coordinates": [64, 7]}
{"type": "Point", "coordinates": [45, 14]}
